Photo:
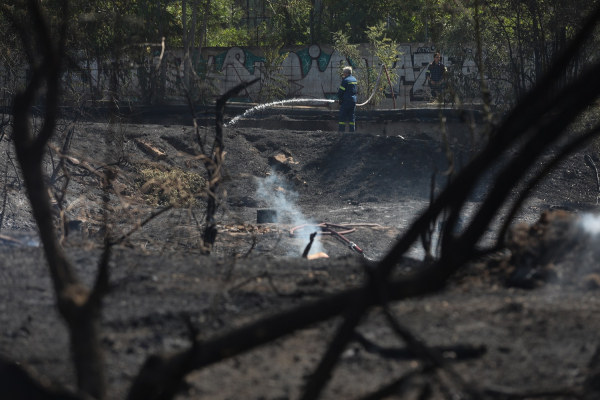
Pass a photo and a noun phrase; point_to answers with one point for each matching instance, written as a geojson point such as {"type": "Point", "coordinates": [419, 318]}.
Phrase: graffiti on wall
{"type": "Point", "coordinates": [314, 71]}
{"type": "Point", "coordinates": [310, 71]}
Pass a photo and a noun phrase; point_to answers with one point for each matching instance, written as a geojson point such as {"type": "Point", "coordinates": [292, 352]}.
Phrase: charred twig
{"type": "Point", "coordinates": [5, 122]}
{"type": "Point", "coordinates": [60, 201]}
{"type": "Point", "coordinates": [14, 167]}
{"type": "Point", "coordinates": [427, 234]}
{"type": "Point", "coordinates": [197, 224]}
{"type": "Point", "coordinates": [309, 245]}
{"type": "Point", "coordinates": [213, 169]}
{"type": "Point", "coordinates": [65, 149]}
{"type": "Point", "coordinates": [451, 353]}
{"type": "Point", "coordinates": [254, 242]}
{"type": "Point", "coordinates": [5, 197]}
{"type": "Point", "coordinates": [190, 102]}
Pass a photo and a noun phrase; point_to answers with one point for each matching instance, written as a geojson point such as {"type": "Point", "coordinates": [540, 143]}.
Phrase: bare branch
{"type": "Point", "coordinates": [210, 230]}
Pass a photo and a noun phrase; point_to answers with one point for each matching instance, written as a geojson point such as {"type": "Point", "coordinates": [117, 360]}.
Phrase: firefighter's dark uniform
{"type": "Point", "coordinates": [347, 96]}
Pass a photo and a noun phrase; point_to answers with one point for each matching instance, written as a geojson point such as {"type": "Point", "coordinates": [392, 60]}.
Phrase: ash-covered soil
{"type": "Point", "coordinates": [528, 314]}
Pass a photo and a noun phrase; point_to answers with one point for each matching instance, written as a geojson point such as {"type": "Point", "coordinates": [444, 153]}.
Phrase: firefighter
{"type": "Point", "coordinates": [347, 99]}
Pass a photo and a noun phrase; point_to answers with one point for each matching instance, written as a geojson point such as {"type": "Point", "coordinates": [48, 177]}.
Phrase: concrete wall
{"type": "Point", "coordinates": [313, 71]}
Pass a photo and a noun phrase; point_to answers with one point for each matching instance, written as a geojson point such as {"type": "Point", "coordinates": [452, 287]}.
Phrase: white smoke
{"type": "Point", "coordinates": [277, 193]}
{"type": "Point", "coordinates": [591, 223]}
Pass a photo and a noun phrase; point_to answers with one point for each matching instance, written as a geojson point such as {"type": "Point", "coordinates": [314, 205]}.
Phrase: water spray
{"type": "Point", "coordinates": [275, 103]}
{"type": "Point", "coordinates": [281, 102]}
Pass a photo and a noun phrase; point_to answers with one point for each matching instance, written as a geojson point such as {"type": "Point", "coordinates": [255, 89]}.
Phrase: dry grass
{"type": "Point", "coordinates": [161, 186]}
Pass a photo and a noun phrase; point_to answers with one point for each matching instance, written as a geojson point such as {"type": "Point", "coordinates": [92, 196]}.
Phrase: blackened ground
{"type": "Point", "coordinates": [539, 333]}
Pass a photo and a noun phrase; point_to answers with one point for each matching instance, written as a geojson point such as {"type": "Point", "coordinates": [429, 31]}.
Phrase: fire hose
{"type": "Point", "coordinates": [327, 229]}
{"type": "Point", "coordinates": [374, 90]}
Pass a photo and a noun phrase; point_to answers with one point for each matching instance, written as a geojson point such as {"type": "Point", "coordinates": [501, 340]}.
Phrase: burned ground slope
{"type": "Point", "coordinates": [315, 167]}
{"type": "Point", "coordinates": [522, 320]}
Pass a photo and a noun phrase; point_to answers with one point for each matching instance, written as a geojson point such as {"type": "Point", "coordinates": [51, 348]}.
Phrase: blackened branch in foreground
{"type": "Point", "coordinates": [79, 306]}
{"type": "Point", "coordinates": [451, 353]}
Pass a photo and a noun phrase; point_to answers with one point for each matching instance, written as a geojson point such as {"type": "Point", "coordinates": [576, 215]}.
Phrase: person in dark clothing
{"type": "Point", "coordinates": [347, 98]}
{"type": "Point", "coordinates": [435, 74]}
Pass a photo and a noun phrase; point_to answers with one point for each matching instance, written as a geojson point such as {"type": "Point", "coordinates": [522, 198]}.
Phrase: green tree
{"type": "Point", "coordinates": [514, 42]}
{"type": "Point", "coordinates": [274, 85]}
{"type": "Point", "coordinates": [370, 77]}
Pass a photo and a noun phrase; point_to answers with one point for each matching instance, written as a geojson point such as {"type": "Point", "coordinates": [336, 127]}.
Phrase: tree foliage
{"type": "Point", "coordinates": [504, 46]}
{"type": "Point", "coordinates": [514, 42]}
{"type": "Point", "coordinates": [372, 80]}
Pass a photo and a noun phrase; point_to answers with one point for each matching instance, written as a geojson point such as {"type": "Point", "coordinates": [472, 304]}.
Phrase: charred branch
{"type": "Point", "coordinates": [450, 353]}
{"type": "Point", "coordinates": [214, 166]}
{"type": "Point", "coordinates": [79, 308]}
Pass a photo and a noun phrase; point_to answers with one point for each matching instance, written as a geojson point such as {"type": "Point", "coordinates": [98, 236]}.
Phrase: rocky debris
{"type": "Point", "coordinates": [150, 149]}
{"type": "Point", "coordinates": [283, 161]}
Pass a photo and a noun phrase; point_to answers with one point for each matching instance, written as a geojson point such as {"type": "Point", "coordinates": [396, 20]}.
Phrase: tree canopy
{"type": "Point", "coordinates": [512, 42]}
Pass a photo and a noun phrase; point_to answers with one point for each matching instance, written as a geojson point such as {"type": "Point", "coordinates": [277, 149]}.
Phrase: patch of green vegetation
{"type": "Point", "coordinates": [163, 187]}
